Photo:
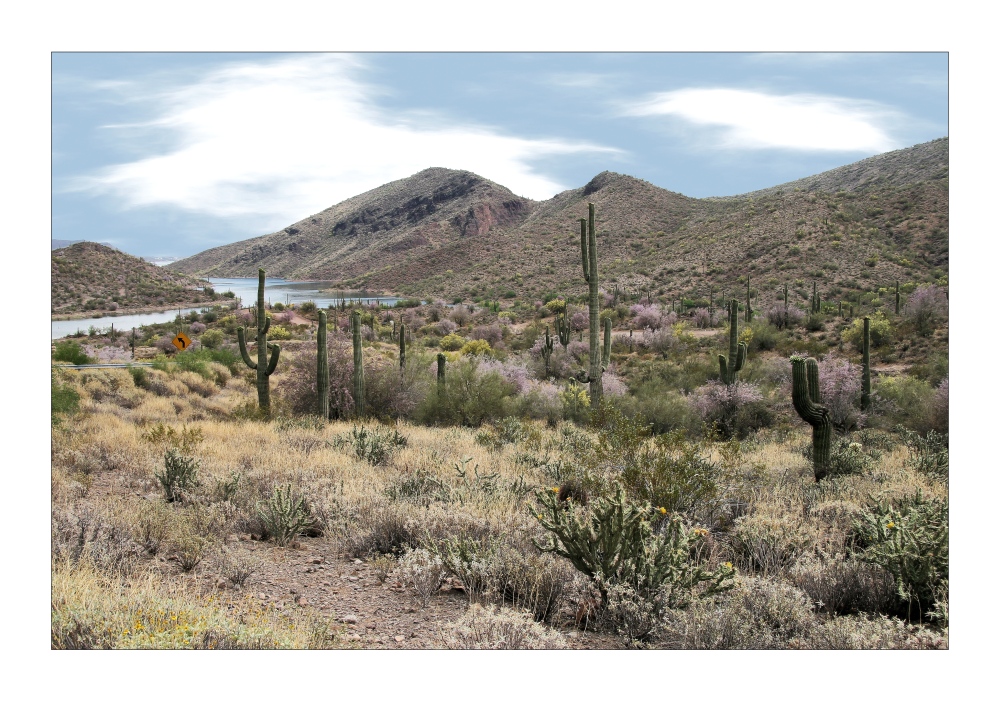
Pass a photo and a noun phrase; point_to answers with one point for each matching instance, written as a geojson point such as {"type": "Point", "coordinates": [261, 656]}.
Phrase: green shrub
{"type": "Point", "coordinates": [468, 399]}
{"type": "Point", "coordinates": [71, 352]}
{"type": "Point", "coordinates": [376, 446]}
{"type": "Point", "coordinates": [929, 454]}
{"type": "Point", "coordinates": [212, 338]}
{"type": "Point", "coordinates": [672, 473]}
{"type": "Point", "coordinates": [65, 399]}
{"type": "Point", "coordinates": [905, 401]}
{"type": "Point", "coordinates": [880, 331]}
{"type": "Point", "coordinates": [452, 342]}
{"type": "Point", "coordinates": [908, 539]}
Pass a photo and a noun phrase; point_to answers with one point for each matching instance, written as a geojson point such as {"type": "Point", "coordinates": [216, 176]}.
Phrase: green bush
{"type": "Point", "coordinates": [908, 539]}
{"type": "Point", "coordinates": [880, 331]}
{"type": "Point", "coordinates": [905, 401]}
{"type": "Point", "coordinates": [452, 342]}
{"type": "Point", "coordinates": [65, 399]}
{"type": "Point", "coordinates": [468, 399]}
{"type": "Point", "coordinates": [212, 338]}
{"type": "Point", "coordinates": [71, 352]}
{"type": "Point", "coordinates": [672, 473]}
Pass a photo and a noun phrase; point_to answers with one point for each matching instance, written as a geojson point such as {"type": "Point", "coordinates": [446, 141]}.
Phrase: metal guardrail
{"type": "Point", "coordinates": [103, 366]}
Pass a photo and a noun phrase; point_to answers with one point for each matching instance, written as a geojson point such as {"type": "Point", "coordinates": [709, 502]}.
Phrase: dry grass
{"type": "Point", "coordinates": [111, 525]}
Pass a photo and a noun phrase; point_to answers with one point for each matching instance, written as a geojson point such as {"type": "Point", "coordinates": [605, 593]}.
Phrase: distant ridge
{"type": "Point", "coordinates": [456, 235]}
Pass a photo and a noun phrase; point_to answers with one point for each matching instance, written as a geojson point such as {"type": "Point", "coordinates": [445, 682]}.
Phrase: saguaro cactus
{"type": "Point", "coordinates": [322, 368]}
{"type": "Point", "coordinates": [814, 305]}
{"type": "Point", "coordinates": [748, 312]}
{"type": "Point", "coordinates": [805, 399]}
{"type": "Point", "coordinates": [440, 377]}
{"type": "Point", "coordinates": [402, 347]}
{"type": "Point", "coordinates": [897, 297]}
{"type": "Point", "coordinates": [547, 351]}
{"type": "Point", "coordinates": [262, 366]}
{"type": "Point", "coordinates": [737, 351]}
{"type": "Point", "coordinates": [866, 367]}
{"type": "Point", "coordinates": [598, 360]}
{"type": "Point", "coordinates": [563, 329]}
{"type": "Point", "coordinates": [359, 368]}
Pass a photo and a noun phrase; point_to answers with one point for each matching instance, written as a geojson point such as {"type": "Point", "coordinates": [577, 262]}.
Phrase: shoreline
{"type": "Point", "coordinates": [79, 316]}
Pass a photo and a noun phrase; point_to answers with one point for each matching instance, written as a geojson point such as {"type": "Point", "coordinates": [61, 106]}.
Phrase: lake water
{"type": "Point", "coordinates": [275, 290]}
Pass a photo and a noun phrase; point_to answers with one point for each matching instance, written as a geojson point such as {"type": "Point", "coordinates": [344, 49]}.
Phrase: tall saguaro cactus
{"type": "Point", "coordinates": [440, 376]}
{"type": "Point", "coordinates": [737, 351]}
{"type": "Point", "coordinates": [359, 367]}
{"type": "Point", "coordinates": [805, 399]}
{"type": "Point", "coordinates": [897, 297]}
{"type": "Point", "coordinates": [402, 347]}
{"type": "Point", "coordinates": [866, 367]}
{"type": "Point", "coordinates": [322, 369]}
{"type": "Point", "coordinates": [547, 351]}
{"type": "Point", "coordinates": [563, 329]}
{"type": "Point", "coordinates": [263, 367]}
{"type": "Point", "coordinates": [598, 359]}
{"type": "Point", "coordinates": [748, 313]}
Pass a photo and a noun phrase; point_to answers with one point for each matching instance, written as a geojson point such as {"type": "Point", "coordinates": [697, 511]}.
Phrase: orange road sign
{"type": "Point", "coordinates": [181, 341]}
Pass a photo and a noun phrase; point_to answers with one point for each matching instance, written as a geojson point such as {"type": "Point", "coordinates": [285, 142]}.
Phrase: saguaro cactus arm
{"type": "Point", "coordinates": [805, 399]}
{"type": "Point", "coordinates": [241, 337]}
{"type": "Point", "coordinates": [273, 363]}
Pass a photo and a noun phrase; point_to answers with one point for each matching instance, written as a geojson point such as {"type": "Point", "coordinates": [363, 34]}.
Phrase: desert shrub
{"type": "Point", "coordinates": [389, 392]}
{"type": "Point", "coordinates": [776, 316]}
{"type": "Point", "coordinates": [815, 322]}
{"type": "Point", "coordinates": [612, 542]}
{"type": "Point", "coordinates": [647, 316]}
{"type": "Point", "coordinates": [499, 629]}
{"type": "Point", "coordinates": [849, 457]}
{"type": "Point", "coordinates": [733, 410]}
{"type": "Point", "coordinates": [284, 515]}
{"type": "Point", "coordinates": [880, 331]}
{"type": "Point", "coordinates": [83, 536]}
{"type": "Point", "coordinates": [768, 545]}
{"type": "Point", "coordinates": [445, 327]}
{"type": "Point", "coordinates": [376, 445]}
{"type": "Point", "coordinates": [909, 540]}
{"type": "Point", "coordinates": [905, 401]}
{"type": "Point", "coordinates": [471, 561]}
{"type": "Point", "coordinates": [469, 398]}
{"type": "Point", "coordinates": [873, 633]}
{"type": "Point", "coordinates": [479, 347]}
{"type": "Point", "coordinates": [197, 327]}
{"type": "Point", "coordinates": [671, 472]}
{"type": "Point", "coordinates": [939, 408]}
{"type": "Point", "coordinates": [843, 585]}
{"type": "Point", "coordinates": [492, 334]}
{"type": "Point", "coordinates": [180, 474]}
{"type": "Point", "coordinates": [926, 308]}
{"type": "Point", "coordinates": [165, 344]}
{"type": "Point", "coordinates": [535, 582]}
{"type": "Point", "coordinates": [307, 307]}
{"type": "Point", "coordinates": [701, 318]}
{"type": "Point", "coordinates": [452, 342]}
{"type": "Point", "coordinates": [297, 386]}
{"type": "Point", "coordinates": [759, 614]}
{"type": "Point", "coordinates": [928, 454]}
{"type": "Point", "coordinates": [71, 352]}
{"type": "Point", "coordinates": [65, 399]}
{"type": "Point", "coordinates": [662, 407]}
{"type": "Point", "coordinates": [840, 393]}
{"type": "Point", "coordinates": [765, 337]}
{"type": "Point", "coordinates": [424, 571]}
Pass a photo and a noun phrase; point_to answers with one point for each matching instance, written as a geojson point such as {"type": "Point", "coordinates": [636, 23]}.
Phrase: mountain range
{"type": "Point", "coordinates": [451, 233]}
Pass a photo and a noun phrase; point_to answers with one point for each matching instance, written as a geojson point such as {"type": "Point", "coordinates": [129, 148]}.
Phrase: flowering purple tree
{"type": "Point", "coordinates": [776, 316]}
{"type": "Point", "coordinates": [722, 405]}
{"type": "Point", "coordinates": [926, 307]}
{"type": "Point", "coordinates": [840, 393]}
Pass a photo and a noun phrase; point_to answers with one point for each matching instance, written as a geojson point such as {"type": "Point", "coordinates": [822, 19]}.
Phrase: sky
{"type": "Point", "coordinates": [169, 154]}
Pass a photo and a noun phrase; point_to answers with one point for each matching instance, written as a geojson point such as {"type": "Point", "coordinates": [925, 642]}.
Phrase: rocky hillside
{"type": "Point", "coordinates": [89, 277]}
{"type": "Point", "coordinates": [454, 234]}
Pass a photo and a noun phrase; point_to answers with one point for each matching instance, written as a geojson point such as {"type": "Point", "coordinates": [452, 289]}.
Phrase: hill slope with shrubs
{"type": "Point", "coordinates": [90, 277]}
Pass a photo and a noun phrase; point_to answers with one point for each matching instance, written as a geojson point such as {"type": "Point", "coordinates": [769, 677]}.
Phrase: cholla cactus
{"type": "Point", "coordinates": [264, 368]}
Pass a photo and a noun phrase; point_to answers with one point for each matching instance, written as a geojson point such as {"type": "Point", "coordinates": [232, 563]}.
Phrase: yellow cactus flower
{"type": "Point", "coordinates": [729, 565]}
{"type": "Point", "coordinates": [890, 525]}
{"type": "Point", "coordinates": [662, 510]}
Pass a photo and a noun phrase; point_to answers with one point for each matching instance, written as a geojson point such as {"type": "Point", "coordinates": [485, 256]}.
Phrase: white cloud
{"type": "Point", "coordinates": [283, 139]}
{"type": "Point", "coordinates": [743, 119]}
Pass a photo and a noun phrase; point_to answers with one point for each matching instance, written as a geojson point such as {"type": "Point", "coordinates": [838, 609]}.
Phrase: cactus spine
{"type": "Point", "coordinates": [322, 368]}
{"type": "Point", "coordinates": [547, 351]}
{"type": "Point", "coordinates": [598, 360]}
{"type": "Point", "coordinates": [737, 351]}
{"type": "Point", "coordinates": [359, 368]}
{"type": "Point", "coordinates": [805, 399]}
{"type": "Point", "coordinates": [866, 367]}
{"type": "Point", "coordinates": [262, 366]}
